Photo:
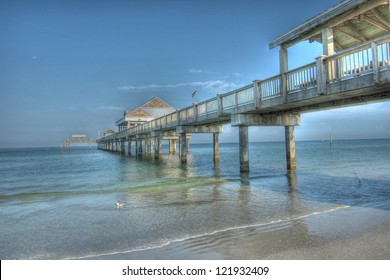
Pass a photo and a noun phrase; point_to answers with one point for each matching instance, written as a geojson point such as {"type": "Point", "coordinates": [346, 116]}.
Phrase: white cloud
{"type": "Point", "coordinates": [201, 71]}
{"type": "Point", "coordinates": [216, 85]}
{"type": "Point", "coordinates": [111, 108]}
{"type": "Point", "coordinates": [195, 71]}
{"type": "Point", "coordinates": [93, 109]}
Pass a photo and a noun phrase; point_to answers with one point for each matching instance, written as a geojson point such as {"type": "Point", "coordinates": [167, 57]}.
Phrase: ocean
{"type": "Point", "coordinates": [62, 204]}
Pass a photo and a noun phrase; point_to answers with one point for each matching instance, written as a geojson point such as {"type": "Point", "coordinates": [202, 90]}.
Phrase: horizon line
{"type": "Point", "coordinates": [201, 143]}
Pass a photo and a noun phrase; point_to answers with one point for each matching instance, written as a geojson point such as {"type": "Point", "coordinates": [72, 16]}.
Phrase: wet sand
{"type": "Point", "coordinates": [349, 233]}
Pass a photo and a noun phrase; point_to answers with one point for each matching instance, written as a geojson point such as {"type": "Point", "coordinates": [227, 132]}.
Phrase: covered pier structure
{"type": "Point", "coordinates": [354, 68]}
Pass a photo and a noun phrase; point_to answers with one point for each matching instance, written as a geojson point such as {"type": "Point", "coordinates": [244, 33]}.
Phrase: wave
{"type": "Point", "coordinates": [261, 227]}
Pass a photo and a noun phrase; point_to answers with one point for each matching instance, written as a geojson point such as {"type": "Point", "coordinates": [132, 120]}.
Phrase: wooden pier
{"type": "Point", "coordinates": [354, 69]}
{"type": "Point", "coordinates": [77, 139]}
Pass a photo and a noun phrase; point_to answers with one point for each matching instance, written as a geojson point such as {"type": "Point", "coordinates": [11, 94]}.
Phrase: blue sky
{"type": "Point", "coordinates": [71, 67]}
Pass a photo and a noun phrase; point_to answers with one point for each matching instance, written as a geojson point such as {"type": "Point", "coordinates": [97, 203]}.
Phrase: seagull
{"type": "Point", "coordinates": [119, 204]}
{"type": "Point", "coordinates": [194, 93]}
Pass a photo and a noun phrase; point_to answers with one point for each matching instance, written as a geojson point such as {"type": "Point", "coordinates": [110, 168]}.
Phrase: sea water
{"type": "Point", "coordinates": [59, 204]}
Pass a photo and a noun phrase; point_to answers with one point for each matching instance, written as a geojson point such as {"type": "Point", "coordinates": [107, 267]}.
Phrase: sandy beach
{"type": "Point", "coordinates": [348, 233]}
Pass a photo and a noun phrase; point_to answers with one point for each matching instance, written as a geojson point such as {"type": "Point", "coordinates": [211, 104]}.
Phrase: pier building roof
{"type": "Point", "coordinates": [352, 22]}
{"type": "Point", "coordinates": [152, 109]}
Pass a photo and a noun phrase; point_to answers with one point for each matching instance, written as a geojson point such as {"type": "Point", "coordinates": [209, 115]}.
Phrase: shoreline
{"type": "Point", "coordinates": [348, 233]}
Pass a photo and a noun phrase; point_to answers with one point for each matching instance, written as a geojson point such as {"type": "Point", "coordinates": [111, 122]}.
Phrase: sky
{"type": "Point", "coordinates": [71, 67]}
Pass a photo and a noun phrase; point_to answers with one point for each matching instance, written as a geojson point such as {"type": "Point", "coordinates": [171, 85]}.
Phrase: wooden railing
{"type": "Point", "coordinates": [366, 58]}
{"type": "Point", "coordinates": [302, 78]}
{"type": "Point", "coordinates": [371, 57]}
{"type": "Point", "coordinates": [271, 87]}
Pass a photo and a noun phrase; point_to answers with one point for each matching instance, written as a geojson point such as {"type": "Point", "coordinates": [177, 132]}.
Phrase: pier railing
{"type": "Point", "coordinates": [365, 59]}
{"type": "Point", "coordinates": [368, 58]}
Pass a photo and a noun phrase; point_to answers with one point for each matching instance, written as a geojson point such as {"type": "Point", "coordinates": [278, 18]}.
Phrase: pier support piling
{"type": "Point", "coordinates": [172, 146]}
{"type": "Point", "coordinates": [290, 148]}
{"type": "Point", "coordinates": [129, 148]}
{"type": "Point", "coordinates": [244, 149]}
{"type": "Point", "coordinates": [158, 148]}
{"type": "Point", "coordinates": [122, 143]}
{"type": "Point", "coordinates": [139, 147]}
{"type": "Point", "coordinates": [152, 147]}
{"type": "Point", "coordinates": [147, 145]}
{"type": "Point", "coordinates": [183, 147]}
{"type": "Point", "coordinates": [216, 146]}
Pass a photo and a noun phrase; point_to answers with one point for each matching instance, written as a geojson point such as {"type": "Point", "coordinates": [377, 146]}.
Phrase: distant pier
{"type": "Point", "coordinates": [78, 139]}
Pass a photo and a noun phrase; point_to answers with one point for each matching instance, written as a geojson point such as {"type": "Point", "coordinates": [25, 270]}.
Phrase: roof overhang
{"type": "Point", "coordinates": [353, 22]}
{"type": "Point", "coordinates": [121, 121]}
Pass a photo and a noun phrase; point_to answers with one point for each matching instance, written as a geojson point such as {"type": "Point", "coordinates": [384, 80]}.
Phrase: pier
{"type": "Point", "coordinates": [353, 69]}
{"type": "Point", "coordinates": [77, 139]}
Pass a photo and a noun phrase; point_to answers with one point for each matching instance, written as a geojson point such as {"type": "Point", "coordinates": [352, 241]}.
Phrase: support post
{"type": "Point", "coordinates": [328, 49]}
{"type": "Point", "coordinates": [257, 93]}
{"type": "Point", "coordinates": [216, 146]}
{"type": "Point", "coordinates": [129, 148]}
{"type": "Point", "coordinates": [152, 147]}
{"type": "Point", "coordinates": [183, 147]}
{"type": "Point", "coordinates": [159, 141]}
{"type": "Point", "coordinates": [122, 147]}
{"type": "Point", "coordinates": [172, 146]}
{"type": "Point", "coordinates": [244, 149]}
{"type": "Point", "coordinates": [146, 147]}
{"type": "Point", "coordinates": [283, 66]}
{"type": "Point", "coordinates": [321, 74]}
{"type": "Point", "coordinates": [139, 147]}
{"type": "Point", "coordinates": [157, 148]}
{"type": "Point", "coordinates": [328, 41]}
{"type": "Point", "coordinates": [290, 148]}
{"type": "Point", "coordinates": [220, 105]}
{"type": "Point", "coordinates": [375, 68]}
{"type": "Point", "coordinates": [283, 59]}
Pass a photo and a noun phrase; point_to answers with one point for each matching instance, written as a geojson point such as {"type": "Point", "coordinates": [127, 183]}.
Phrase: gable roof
{"type": "Point", "coordinates": [138, 113]}
{"type": "Point", "coordinates": [153, 108]}
{"type": "Point", "coordinates": [156, 102]}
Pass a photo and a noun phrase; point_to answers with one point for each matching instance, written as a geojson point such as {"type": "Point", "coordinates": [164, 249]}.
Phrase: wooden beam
{"type": "Point", "coordinates": [352, 32]}
{"type": "Point", "coordinates": [379, 21]}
